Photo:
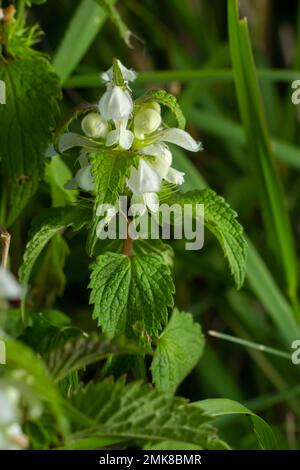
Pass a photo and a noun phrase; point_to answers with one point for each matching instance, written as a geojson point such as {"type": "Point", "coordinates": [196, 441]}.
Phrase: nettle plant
{"type": "Point", "coordinates": [124, 152]}
{"type": "Point", "coordinates": [65, 387]}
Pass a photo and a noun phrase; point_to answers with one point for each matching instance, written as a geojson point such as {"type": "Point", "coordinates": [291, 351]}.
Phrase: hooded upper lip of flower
{"type": "Point", "coordinates": [116, 104]}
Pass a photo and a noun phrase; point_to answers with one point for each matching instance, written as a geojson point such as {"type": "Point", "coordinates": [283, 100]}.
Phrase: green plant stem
{"type": "Point", "coordinates": [250, 344]}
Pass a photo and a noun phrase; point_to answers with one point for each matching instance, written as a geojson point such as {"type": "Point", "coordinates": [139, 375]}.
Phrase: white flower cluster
{"type": "Point", "coordinates": [115, 125]}
{"type": "Point", "coordinates": [11, 434]}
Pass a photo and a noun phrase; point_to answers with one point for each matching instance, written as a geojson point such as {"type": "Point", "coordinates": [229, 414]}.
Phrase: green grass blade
{"type": "Point", "coordinates": [85, 24]}
{"type": "Point", "coordinates": [227, 129]}
{"type": "Point", "coordinates": [266, 289]}
{"type": "Point", "coordinates": [91, 80]}
{"type": "Point", "coordinates": [260, 150]}
{"type": "Point", "coordinates": [250, 344]}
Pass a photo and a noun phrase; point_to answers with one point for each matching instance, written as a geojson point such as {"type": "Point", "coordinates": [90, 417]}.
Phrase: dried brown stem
{"type": "Point", "coordinates": [5, 238]}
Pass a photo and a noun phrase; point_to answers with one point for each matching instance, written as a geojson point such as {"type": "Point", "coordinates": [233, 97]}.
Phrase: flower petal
{"type": "Point", "coordinates": [9, 287]}
{"type": "Point", "coordinates": [144, 179]}
{"type": "Point", "coordinates": [175, 176]}
{"type": "Point", "coordinates": [152, 201]}
{"type": "Point", "coordinates": [116, 103]}
{"type": "Point", "coordinates": [126, 139]}
{"type": "Point", "coordinates": [112, 138]}
{"type": "Point", "coordinates": [84, 178]}
{"type": "Point", "coordinates": [68, 141]}
{"type": "Point", "coordinates": [181, 138]}
{"type": "Point", "coordinates": [162, 158]}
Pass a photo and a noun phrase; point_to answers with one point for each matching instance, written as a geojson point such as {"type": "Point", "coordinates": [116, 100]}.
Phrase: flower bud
{"type": "Point", "coordinates": [153, 105]}
{"type": "Point", "coordinates": [146, 121]}
{"type": "Point", "coordinates": [93, 125]}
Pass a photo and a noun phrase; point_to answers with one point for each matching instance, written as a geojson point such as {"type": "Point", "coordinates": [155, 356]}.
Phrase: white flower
{"type": "Point", "coordinates": [175, 176]}
{"type": "Point", "coordinates": [116, 103]}
{"type": "Point", "coordinates": [120, 135]}
{"type": "Point", "coordinates": [144, 179]}
{"type": "Point", "coordinates": [11, 435]}
{"type": "Point", "coordinates": [146, 121]}
{"type": "Point", "coordinates": [83, 178]}
{"type": "Point", "coordinates": [162, 158]}
{"type": "Point", "coordinates": [162, 163]}
{"type": "Point", "coordinates": [93, 125]}
{"type": "Point", "coordinates": [178, 137]}
{"type": "Point", "coordinates": [127, 74]}
{"type": "Point", "coordinates": [9, 287]}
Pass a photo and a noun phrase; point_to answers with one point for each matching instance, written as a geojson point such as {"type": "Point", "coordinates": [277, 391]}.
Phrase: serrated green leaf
{"type": "Point", "coordinates": [44, 228]}
{"type": "Point", "coordinates": [139, 413]}
{"type": "Point", "coordinates": [127, 290]}
{"type": "Point", "coordinates": [110, 170]}
{"type": "Point", "coordinates": [31, 88]}
{"type": "Point", "coordinates": [78, 353]}
{"type": "Point", "coordinates": [164, 98]}
{"type": "Point", "coordinates": [179, 348]}
{"type": "Point", "coordinates": [221, 220]}
{"type": "Point", "coordinates": [155, 247]}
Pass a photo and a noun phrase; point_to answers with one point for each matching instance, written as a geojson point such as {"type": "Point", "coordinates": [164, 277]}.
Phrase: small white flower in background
{"type": "Point", "coordinates": [83, 178]}
{"type": "Point", "coordinates": [11, 434]}
{"type": "Point", "coordinates": [9, 287]}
